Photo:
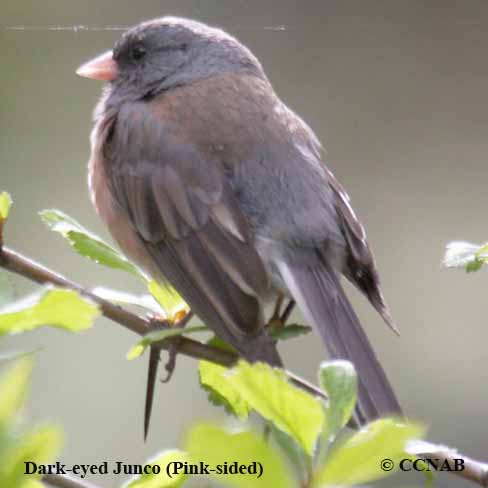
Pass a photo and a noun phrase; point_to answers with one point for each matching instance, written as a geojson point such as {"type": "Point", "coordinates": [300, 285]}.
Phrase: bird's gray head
{"type": "Point", "coordinates": [164, 53]}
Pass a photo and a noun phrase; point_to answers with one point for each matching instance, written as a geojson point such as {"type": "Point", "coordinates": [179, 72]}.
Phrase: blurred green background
{"type": "Point", "coordinates": [396, 91]}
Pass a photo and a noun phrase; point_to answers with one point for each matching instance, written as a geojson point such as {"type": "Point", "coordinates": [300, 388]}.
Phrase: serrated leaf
{"type": "Point", "coordinates": [358, 460]}
{"type": "Point", "coordinates": [56, 307]}
{"type": "Point", "coordinates": [88, 244]}
{"type": "Point", "coordinates": [160, 335]}
{"type": "Point", "coordinates": [216, 446]}
{"type": "Point", "coordinates": [339, 380]}
{"type": "Point", "coordinates": [268, 391]}
{"type": "Point", "coordinates": [5, 205]}
{"type": "Point", "coordinates": [289, 332]}
{"type": "Point", "coordinates": [13, 390]}
{"type": "Point", "coordinates": [161, 480]}
{"type": "Point", "coordinates": [220, 390]}
{"type": "Point", "coordinates": [40, 446]}
{"type": "Point", "coordinates": [234, 405]}
{"type": "Point", "coordinates": [169, 300]}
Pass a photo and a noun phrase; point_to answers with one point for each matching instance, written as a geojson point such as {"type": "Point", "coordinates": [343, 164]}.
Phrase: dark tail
{"type": "Point", "coordinates": [319, 294]}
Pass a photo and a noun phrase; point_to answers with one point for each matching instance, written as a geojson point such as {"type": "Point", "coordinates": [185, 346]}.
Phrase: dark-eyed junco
{"type": "Point", "coordinates": [208, 180]}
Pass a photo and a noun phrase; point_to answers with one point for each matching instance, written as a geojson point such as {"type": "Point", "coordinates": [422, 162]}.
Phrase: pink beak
{"type": "Point", "coordinates": [102, 68]}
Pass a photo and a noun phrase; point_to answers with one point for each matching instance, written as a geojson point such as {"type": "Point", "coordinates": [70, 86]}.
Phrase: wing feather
{"type": "Point", "coordinates": [360, 266]}
{"type": "Point", "coordinates": [181, 205]}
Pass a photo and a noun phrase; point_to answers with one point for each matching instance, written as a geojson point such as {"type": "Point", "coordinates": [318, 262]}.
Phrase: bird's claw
{"type": "Point", "coordinates": [156, 321]}
{"type": "Point", "coordinates": [279, 318]}
{"type": "Point", "coordinates": [181, 319]}
{"type": "Point", "coordinates": [171, 363]}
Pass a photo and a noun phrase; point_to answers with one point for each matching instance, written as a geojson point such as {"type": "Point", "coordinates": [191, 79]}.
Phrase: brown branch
{"type": "Point", "coordinates": [474, 471]}
{"type": "Point", "coordinates": [440, 456]}
{"type": "Point", "coordinates": [66, 481]}
{"type": "Point", "coordinates": [16, 263]}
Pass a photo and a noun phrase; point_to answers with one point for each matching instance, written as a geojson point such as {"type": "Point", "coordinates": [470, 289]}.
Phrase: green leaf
{"type": "Point", "coordinates": [289, 332]}
{"type": "Point", "coordinates": [42, 445]}
{"type": "Point", "coordinates": [473, 266]}
{"type": "Point", "coordinates": [5, 205]}
{"type": "Point", "coordinates": [31, 483]}
{"type": "Point", "coordinates": [146, 302]}
{"type": "Point", "coordinates": [220, 344]}
{"type": "Point", "coordinates": [13, 390]}
{"type": "Point", "coordinates": [88, 244]}
{"type": "Point", "coordinates": [359, 459]}
{"type": "Point", "coordinates": [65, 309]}
{"type": "Point", "coordinates": [292, 410]}
{"type": "Point", "coordinates": [220, 390]}
{"type": "Point", "coordinates": [161, 480]}
{"type": "Point", "coordinates": [169, 299]}
{"type": "Point", "coordinates": [465, 255]}
{"type": "Point", "coordinates": [482, 252]}
{"type": "Point", "coordinates": [160, 335]}
{"type": "Point", "coordinates": [219, 447]}
{"type": "Point", "coordinates": [293, 452]}
{"type": "Point", "coordinates": [339, 380]}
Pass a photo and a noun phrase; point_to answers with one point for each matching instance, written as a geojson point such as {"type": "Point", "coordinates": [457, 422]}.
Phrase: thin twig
{"type": "Point", "coordinates": [474, 471]}
{"type": "Point", "coordinates": [66, 481]}
{"type": "Point", "coordinates": [443, 456]}
{"type": "Point", "coordinates": [16, 263]}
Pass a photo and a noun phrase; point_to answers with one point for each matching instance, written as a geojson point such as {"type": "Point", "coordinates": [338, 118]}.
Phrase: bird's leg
{"type": "Point", "coordinates": [287, 312]}
{"type": "Point", "coordinates": [158, 323]}
{"type": "Point", "coordinates": [274, 320]}
{"type": "Point", "coordinates": [279, 318]}
{"type": "Point", "coordinates": [181, 320]}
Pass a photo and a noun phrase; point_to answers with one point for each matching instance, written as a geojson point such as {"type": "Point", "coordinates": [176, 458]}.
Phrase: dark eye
{"type": "Point", "coordinates": [138, 52]}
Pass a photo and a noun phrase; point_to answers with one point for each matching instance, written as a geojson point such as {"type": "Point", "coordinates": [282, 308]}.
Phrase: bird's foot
{"type": "Point", "coordinates": [157, 322]}
{"type": "Point", "coordinates": [279, 318]}
{"type": "Point", "coordinates": [180, 320]}
{"type": "Point", "coordinates": [170, 365]}
{"type": "Point", "coordinates": [287, 312]}
{"type": "Point", "coordinates": [275, 319]}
